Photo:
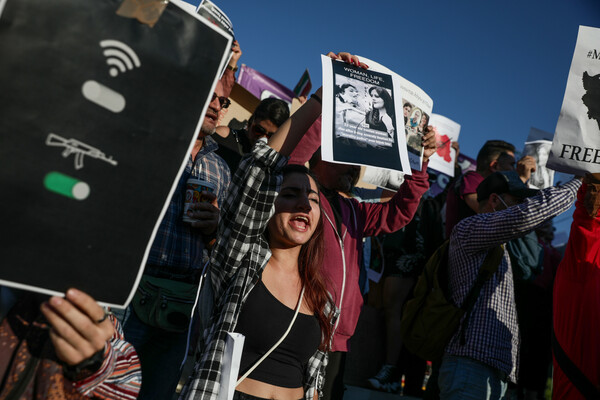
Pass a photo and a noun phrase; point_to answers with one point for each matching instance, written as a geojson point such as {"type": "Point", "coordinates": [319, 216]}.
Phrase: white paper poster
{"type": "Point", "coordinates": [576, 144]}
{"type": "Point", "coordinates": [538, 146]}
{"type": "Point", "coordinates": [445, 156]}
{"type": "Point", "coordinates": [362, 123]}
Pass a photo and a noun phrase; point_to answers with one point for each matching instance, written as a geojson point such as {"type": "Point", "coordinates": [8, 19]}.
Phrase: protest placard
{"type": "Point", "coordinates": [391, 180]}
{"type": "Point", "coordinates": [538, 146]}
{"type": "Point", "coordinates": [97, 115]}
{"type": "Point", "coordinates": [445, 156]}
{"type": "Point", "coordinates": [576, 144]}
{"type": "Point", "coordinates": [364, 116]}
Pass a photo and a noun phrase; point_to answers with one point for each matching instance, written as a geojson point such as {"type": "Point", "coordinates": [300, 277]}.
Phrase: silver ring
{"type": "Point", "coordinates": [106, 314]}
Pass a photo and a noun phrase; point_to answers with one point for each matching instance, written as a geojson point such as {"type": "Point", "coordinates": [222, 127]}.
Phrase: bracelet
{"type": "Point", "coordinates": [317, 98]}
{"type": "Point", "coordinates": [84, 369]}
{"type": "Point", "coordinates": [234, 69]}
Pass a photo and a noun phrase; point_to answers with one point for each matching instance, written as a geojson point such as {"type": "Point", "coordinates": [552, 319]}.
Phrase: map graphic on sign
{"type": "Point", "coordinates": [591, 98]}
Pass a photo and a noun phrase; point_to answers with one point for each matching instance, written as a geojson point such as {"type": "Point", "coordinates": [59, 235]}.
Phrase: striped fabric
{"type": "Point", "coordinates": [492, 336]}
{"type": "Point", "coordinates": [239, 256]}
{"type": "Point", "coordinates": [120, 376]}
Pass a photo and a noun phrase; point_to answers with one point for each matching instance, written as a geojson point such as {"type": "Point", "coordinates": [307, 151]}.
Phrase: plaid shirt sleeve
{"type": "Point", "coordinates": [246, 211]}
{"type": "Point", "coordinates": [492, 333]}
{"type": "Point", "coordinates": [237, 258]}
{"type": "Point", "coordinates": [485, 231]}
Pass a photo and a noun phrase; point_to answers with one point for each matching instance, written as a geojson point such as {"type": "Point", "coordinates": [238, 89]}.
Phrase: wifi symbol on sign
{"type": "Point", "coordinates": [119, 57]}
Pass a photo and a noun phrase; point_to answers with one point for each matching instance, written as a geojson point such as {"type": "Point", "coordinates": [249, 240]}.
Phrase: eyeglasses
{"type": "Point", "coordinates": [223, 101]}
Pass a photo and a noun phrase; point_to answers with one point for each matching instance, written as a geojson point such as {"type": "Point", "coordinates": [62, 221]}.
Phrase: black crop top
{"type": "Point", "coordinates": [263, 320]}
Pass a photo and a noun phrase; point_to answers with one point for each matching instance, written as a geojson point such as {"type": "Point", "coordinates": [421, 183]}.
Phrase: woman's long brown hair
{"type": "Point", "coordinates": [310, 264]}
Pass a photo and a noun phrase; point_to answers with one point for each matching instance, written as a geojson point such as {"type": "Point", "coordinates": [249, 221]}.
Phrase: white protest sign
{"type": "Point", "coordinates": [538, 146]}
{"type": "Point", "coordinates": [362, 123]}
{"type": "Point", "coordinates": [445, 156]}
{"type": "Point", "coordinates": [576, 144]}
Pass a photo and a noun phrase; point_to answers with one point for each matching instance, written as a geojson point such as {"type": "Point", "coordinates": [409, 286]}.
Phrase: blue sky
{"type": "Point", "coordinates": [495, 67]}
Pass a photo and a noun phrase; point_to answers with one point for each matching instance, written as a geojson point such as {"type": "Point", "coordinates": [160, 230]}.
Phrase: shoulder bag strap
{"type": "Point", "coordinates": [573, 373]}
{"type": "Point", "coordinates": [276, 344]}
{"type": "Point", "coordinates": [490, 266]}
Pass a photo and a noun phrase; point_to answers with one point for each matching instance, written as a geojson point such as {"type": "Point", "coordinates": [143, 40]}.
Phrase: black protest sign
{"type": "Point", "coordinates": [97, 114]}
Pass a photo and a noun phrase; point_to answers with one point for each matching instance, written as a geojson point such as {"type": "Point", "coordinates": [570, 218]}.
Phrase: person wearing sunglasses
{"type": "Point", "coordinates": [264, 122]}
{"type": "Point", "coordinates": [177, 257]}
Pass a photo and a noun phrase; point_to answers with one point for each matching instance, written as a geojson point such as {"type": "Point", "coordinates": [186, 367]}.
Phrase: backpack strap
{"type": "Point", "coordinates": [573, 373]}
{"type": "Point", "coordinates": [488, 268]}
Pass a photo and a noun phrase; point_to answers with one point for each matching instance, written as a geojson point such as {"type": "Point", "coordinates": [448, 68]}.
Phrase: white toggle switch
{"type": "Point", "coordinates": [103, 96]}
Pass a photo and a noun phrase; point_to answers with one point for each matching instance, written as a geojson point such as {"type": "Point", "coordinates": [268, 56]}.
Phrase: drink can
{"type": "Point", "coordinates": [193, 194]}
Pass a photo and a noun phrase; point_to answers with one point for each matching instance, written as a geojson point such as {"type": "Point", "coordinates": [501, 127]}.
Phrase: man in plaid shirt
{"type": "Point", "coordinates": [177, 253]}
{"type": "Point", "coordinates": [479, 364]}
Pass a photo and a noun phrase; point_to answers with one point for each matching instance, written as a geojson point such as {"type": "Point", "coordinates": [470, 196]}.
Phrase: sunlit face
{"type": "Point", "coordinates": [212, 113]}
{"type": "Point", "coordinates": [377, 101]}
{"type": "Point", "coordinates": [297, 212]}
{"type": "Point", "coordinates": [416, 117]}
{"type": "Point", "coordinates": [258, 129]}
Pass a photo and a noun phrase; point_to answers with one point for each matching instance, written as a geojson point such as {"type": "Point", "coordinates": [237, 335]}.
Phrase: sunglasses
{"type": "Point", "coordinates": [223, 101]}
{"type": "Point", "coordinates": [260, 131]}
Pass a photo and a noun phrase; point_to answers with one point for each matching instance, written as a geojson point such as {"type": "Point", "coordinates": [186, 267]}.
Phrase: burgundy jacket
{"type": "Point", "coordinates": [343, 250]}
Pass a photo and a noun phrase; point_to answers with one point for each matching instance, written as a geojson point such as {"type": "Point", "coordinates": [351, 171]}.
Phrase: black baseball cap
{"type": "Point", "coordinates": [504, 182]}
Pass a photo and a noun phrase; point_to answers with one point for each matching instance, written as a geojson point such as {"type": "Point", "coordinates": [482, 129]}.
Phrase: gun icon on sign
{"type": "Point", "coordinates": [80, 149]}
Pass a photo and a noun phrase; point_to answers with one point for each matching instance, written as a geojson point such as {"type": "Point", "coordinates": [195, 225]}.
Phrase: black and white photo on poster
{"type": "Point", "coordinates": [576, 142]}
{"type": "Point", "coordinates": [413, 110]}
{"type": "Point", "coordinates": [417, 107]}
{"type": "Point", "coordinates": [361, 111]}
{"type": "Point", "coordinates": [538, 146]}
{"type": "Point", "coordinates": [84, 105]}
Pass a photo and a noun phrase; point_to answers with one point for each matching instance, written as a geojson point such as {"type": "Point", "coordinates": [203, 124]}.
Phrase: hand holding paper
{"type": "Point", "coordinates": [76, 332]}
{"type": "Point", "coordinates": [429, 144]}
{"type": "Point", "coordinates": [347, 57]}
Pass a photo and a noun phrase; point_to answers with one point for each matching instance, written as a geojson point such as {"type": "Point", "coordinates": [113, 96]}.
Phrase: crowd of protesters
{"type": "Point", "coordinates": [279, 247]}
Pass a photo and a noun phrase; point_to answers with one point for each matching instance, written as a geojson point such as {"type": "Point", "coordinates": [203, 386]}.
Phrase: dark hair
{"type": "Point", "coordinates": [310, 263]}
{"type": "Point", "coordinates": [341, 89]}
{"type": "Point", "coordinates": [315, 158]}
{"type": "Point", "coordinates": [388, 103]}
{"type": "Point", "coordinates": [407, 104]}
{"type": "Point", "coordinates": [491, 150]}
{"type": "Point", "coordinates": [275, 110]}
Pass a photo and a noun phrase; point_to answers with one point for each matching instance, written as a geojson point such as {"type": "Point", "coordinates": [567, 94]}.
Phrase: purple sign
{"type": "Point", "coordinates": [262, 86]}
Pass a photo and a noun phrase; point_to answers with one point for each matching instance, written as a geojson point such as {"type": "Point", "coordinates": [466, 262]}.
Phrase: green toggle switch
{"type": "Point", "coordinates": [66, 185]}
